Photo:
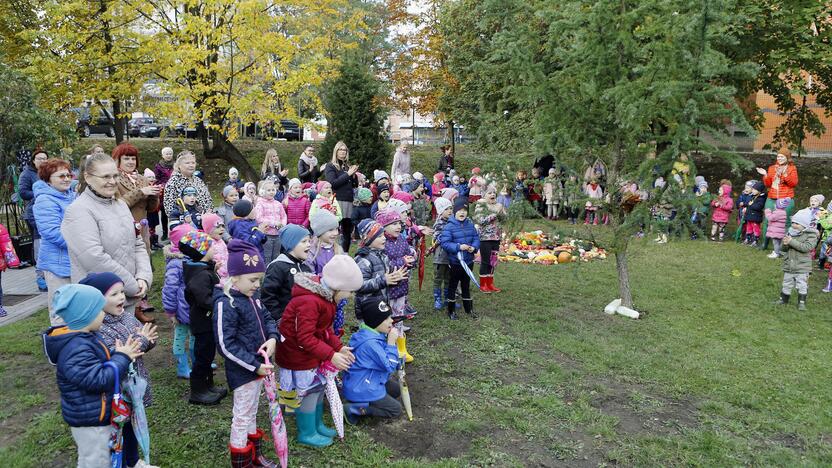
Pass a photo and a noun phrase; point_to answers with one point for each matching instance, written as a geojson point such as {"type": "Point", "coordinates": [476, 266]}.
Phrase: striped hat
{"type": "Point", "coordinates": [195, 244]}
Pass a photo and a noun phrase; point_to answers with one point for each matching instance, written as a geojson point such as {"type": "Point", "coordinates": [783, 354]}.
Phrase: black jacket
{"type": "Point", "coordinates": [200, 280]}
{"type": "Point", "coordinates": [278, 282]}
{"type": "Point", "coordinates": [306, 173]}
{"type": "Point", "coordinates": [342, 183]}
{"type": "Point", "coordinates": [754, 213]}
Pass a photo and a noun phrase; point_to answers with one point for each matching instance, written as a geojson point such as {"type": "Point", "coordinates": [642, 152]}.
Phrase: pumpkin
{"type": "Point", "coordinates": [564, 257]}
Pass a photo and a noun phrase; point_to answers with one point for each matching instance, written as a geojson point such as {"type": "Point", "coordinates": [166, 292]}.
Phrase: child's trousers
{"type": "Point", "coordinates": [441, 276]}
{"type": "Point", "coordinates": [486, 247]}
{"type": "Point", "coordinates": [795, 280]}
{"type": "Point", "coordinates": [389, 406]}
{"type": "Point", "coordinates": [204, 350]}
{"type": "Point", "coordinates": [244, 419]}
{"type": "Point", "coordinates": [271, 249]}
{"type": "Point", "coordinates": [93, 446]}
{"type": "Point", "coordinates": [182, 333]}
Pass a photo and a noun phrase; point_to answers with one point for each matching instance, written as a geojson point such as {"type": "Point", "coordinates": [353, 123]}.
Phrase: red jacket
{"type": "Point", "coordinates": [306, 326]}
{"type": "Point", "coordinates": [297, 209]}
{"type": "Point", "coordinates": [787, 183]}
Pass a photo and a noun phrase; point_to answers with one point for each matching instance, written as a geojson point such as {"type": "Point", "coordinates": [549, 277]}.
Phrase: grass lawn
{"type": "Point", "coordinates": [713, 375]}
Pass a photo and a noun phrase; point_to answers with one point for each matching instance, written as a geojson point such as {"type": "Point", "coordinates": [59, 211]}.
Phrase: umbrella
{"type": "Point", "coordinates": [135, 388]}
{"type": "Point", "coordinates": [120, 415]}
{"type": "Point", "coordinates": [421, 262]}
{"type": "Point", "coordinates": [281, 441]}
{"type": "Point", "coordinates": [467, 270]}
{"type": "Point", "coordinates": [404, 390]}
{"type": "Point", "coordinates": [335, 406]}
{"type": "Point", "coordinates": [495, 259]}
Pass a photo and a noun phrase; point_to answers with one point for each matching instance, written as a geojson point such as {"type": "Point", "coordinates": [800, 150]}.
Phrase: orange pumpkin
{"type": "Point", "coordinates": [564, 257]}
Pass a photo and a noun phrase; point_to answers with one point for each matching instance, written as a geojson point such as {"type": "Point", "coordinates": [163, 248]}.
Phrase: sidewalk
{"type": "Point", "coordinates": [21, 291]}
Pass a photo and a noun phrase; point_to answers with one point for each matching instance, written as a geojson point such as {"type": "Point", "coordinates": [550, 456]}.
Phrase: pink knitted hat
{"type": "Point", "coordinates": [176, 235]}
{"type": "Point", "coordinates": [403, 196]}
{"type": "Point", "coordinates": [321, 186]}
{"type": "Point", "coordinates": [388, 216]}
{"type": "Point", "coordinates": [210, 221]}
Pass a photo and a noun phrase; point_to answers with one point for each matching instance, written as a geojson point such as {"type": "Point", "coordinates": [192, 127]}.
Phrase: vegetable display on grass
{"type": "Point", "coordinates": [538, 248]}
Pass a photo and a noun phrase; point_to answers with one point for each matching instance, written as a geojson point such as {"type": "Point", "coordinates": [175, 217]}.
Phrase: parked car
{"type": "Point", "coordinates": [103, 122]}
{"type": "Point", "coordinates": [134, 126]}
{"type": "Point", "coordinates": [288, 130]}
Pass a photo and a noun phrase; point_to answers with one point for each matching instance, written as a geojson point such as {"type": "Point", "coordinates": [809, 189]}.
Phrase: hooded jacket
{"type": "Point", "coordinates": [86, 385]}
{"type": "Point", "coordinates": [173, 290]}
{"type": "Point", "coordinates": [776, 223]}
{"type": "Point", "coordinates": [297, 209]}
{"type": "Point", "coordinates": [796, 257]}
{"type": "Point", "coordinates": [440, 257]}
{"type": "Point", "coordinates": [247, 230]}
{"type": "Point", "coordinates": [278, 283]}
{"type": "Point", "coordinates": [306, 327]}
{"type": "Point", "coordinates": [374, 265]}
{"type": "Point", "coordinates": [200, 281]}
{"type": "Point", "coordinates": [241, 326]}
{"type": "Point", "coordinates": [754, 211]}
{"type": "Point", "coordinates": [722, 206]}
{"type": "Point", "coordinates": [375, 360]}
{"type": "Point", "coordinates": [49, 208]}
{"type": "Point", "coordinates": [457, 233]}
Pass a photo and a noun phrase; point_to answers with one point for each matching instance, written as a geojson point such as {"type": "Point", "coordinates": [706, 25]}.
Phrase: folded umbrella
{"type": "Point", "coordinates": [421, 262]}
{"type": "Point", "coordinates": [281, 441]}
{"type": "Point", "coordinates": [135, 387]}
{"type": "Point", "coordinates": [405, 392]}
{"type": "Point", "coordinates": [120, 413]}
{"type": "Point", "coordinates": [335, 406]}
{"type": "Point", "coordinates": [468, 270]}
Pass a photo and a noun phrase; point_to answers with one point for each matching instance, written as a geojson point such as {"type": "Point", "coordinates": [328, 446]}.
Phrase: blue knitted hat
{"type": "Point", "coordinates": [78, 304]}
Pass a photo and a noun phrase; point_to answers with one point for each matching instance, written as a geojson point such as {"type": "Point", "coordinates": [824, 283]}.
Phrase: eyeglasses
{"type": "Point", "coordinates": [108, 178]}
{"type": "Point", "coordinates": [63, 176]}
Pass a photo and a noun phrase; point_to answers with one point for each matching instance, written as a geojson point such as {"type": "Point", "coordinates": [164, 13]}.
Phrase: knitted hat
{"type": "Point", "coordinates": [476, 170]}
{"type": "Point", "coordinates": [148, 174]}
{"type": "Point", "coordinates": [307, 185]}
{"type": "Point", "coordinates": [369, 230]}
{"type": "Point", "coordinates": [292, 234]}
{"type": "Point", "coordinates": [364, 194]}
{"type": "Point", "coordinates": [383, 188]}
{"type": "Point", "coordinates": [320, 186]}
{"type": "Point", "coordinates": [227, 190]}
{"type": "Point", "coordinates": [322, 221]}
{"type": "Point", "coordinates": [379, 174]}
{"type": "Point", "coordinates": [782, 203]}
{"type": "Point", "coordinates": [759, 186]}
{"type": "Point", "coordinates": [403, 196]}
{"type": "Point", "coordinates": [233, 172]}
{"type": "Point", "coordinates": [77, 304]}
{"type": "Point", "coordinates": [441, 204]}
{"type": "Point", "coordinates": [374, 312]}
{"type": "Point", "coordinates": [397, 205]}
{"type": "Point", "coordinates": [439, 177]}
{"type": "Point", "coordinates": [785, 152]}
{"type": "Point", "coordinates": [418, 176]}
{"type": "Point", "coordinates": [749, 183]}
{"type": "Point", "coordinates": [101, 281]}
{"type": "Point", "coordinates": [490, 188]}
{"type": "Point", "coordinates": [242, 208]}
{"type": "Point", "coordinates": [210, 222]}
{"type": "Point", "coordinates": [243, 258]}
{"type": "Point", "coordinates": [195, 245]}
{"type": "Point", "coordinates": [342, 274]}
{"type": "Point", "coordinates": [292, 183]}
{"type": "Point", "coordinates": [188, 190]}
{"type": "Point", "coordinates": [817, 199]}
{"type": "Point", "coordinates": [388, 216]}
{"type": "Point", "coordinates": [176, 234]}
{"type": "Point", "coordinates": [450, 193]}
{"type": "Point", "coordinates": [461, 203]}
{"type": "Point", "coordinates": [410, 187]}
{"type": "Point", "coordinates": [803, 217]}
{"type": "Point", "coordinates": [698, 180]}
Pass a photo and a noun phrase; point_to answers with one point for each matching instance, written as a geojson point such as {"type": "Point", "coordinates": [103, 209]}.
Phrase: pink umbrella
{"type": "Point", "coordinates": [335, 406]}
{"type": "Point", "coordinates": [281, 441]}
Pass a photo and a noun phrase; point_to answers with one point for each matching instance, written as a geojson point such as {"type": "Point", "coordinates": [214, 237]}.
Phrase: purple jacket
{"type": "Point", "coordinates": [396, 249]}
{"type": "Point", "coordinates": [776, 223]}
{"type": "Point", "coordinates": [162, 172]}
{"type": "Point", "coordinates": [324, 256]}
{"type": "Point", "coordinates": [297, 210]}
{"type": "Point", "coordinates": [173, 291]}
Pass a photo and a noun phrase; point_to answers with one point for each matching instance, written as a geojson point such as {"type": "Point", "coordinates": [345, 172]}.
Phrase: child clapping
{"type": "Point", "coordinates": [797, 262]}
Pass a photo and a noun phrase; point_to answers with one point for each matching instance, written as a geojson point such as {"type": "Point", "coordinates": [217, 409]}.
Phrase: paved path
{"type": "Point", "coordinates": [22, 282]}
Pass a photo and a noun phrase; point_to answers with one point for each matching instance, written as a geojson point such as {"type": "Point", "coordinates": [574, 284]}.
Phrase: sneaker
{"type": "Point", "coordinates": [3, 312]}
{"type": "Point", "coordinates": [772, 255]}
{"type": "Point", "coordinates": [41, 285]}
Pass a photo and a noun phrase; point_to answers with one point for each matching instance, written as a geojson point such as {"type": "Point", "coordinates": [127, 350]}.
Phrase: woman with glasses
{"type": "Point", "coordinates": [183, 176]}
{"type": "Point", "coordinates": [25, 185]}
{"type": "Point", "coordinates": [340, 173]}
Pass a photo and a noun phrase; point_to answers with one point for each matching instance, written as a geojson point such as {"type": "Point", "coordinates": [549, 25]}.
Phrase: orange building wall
{"type": "Point", "coordinates": [773, 118]}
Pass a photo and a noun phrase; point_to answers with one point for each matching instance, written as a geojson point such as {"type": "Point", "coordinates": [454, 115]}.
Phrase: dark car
{"type": "Point", "coordinates": [288, 130]}
{"type": "Point", "coordinates": [102, 122]}
{"type": "Point", "coordinates": [134, 126]}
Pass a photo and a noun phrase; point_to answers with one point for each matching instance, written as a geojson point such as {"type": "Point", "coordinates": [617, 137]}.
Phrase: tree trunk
{"type": "Point", "coordinates": [119, 121]}
{"type": "Point", "coordinates": [623, 275]}
{"type": "Point", "coordinates": [452, 141]}
{"type": "Point", "coordinates": [225, 150]}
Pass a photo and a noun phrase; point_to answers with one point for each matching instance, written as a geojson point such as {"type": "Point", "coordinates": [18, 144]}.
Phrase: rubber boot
{"type": "Point", "coordinates": [437, 298]}
{"type": "Point", "coordinates": [183, 369]}
{"type": "Point", "coordinates": [221, 391]}
{"type": "Point", "coordinates": [242, 457]}
{"type": "Point", "coordinates": [828, 287]}
{"type": "Point", "coordinates": [491, 284]}
{"type": "Point", "coordinates": [41, 284]}
{"type": "Point", "coordinates": [784, 299]}
{"type": "Point", "coordinates": [801, 302]}
{"type": "Point", "coordinates": [307, 432]}
{"type": "Point", "coordinates": [468, 304]}
{"type": "Point", "coordinates": [256, 440]}
{"type": "Point", "coordinates": [401, 344]}
{"type": "Point", "coordinates": [201, 393]}
{"type": "Point", "coordinates": [484, 284]}
{"type": "Point", "coordinates": [3, 312]}
{"type": "Point", "coordinates": [452, 309]}
{"type": "Point", "coordinates": [288, 400]}
{"type": "Point", "coordinates": [319, 422]}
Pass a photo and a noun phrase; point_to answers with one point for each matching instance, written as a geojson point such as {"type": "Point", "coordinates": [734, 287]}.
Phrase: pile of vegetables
{"type": "Point", "coordinates": [538, 248]}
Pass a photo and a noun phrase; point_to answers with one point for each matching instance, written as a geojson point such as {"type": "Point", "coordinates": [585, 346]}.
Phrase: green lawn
{"type": "Point", "coordinates": [713, 375]}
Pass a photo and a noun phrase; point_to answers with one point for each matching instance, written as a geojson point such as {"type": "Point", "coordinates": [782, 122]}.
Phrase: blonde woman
{"type": "Point", "coordinates": [183, 176]}
{"type": "Point", "coordinates": [273, 170]}
{"type": "Point", "coordinates": [341, 176]}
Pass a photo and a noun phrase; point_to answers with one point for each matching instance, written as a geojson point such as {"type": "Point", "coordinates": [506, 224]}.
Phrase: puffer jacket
{"type": "Point", "coordinates": [797, 257]}
{"type": "Point", "coordinates": [25, 186]}
{"type": "Point", "coordinates": [297, 210]}
{"type": "Point", "coordinates": [50, 205]}
{"type": "Point", "coordinates": [241, 326]}
{"type": "Point", "coordinates": [278, 283]}
{"type": "Point", "coordinates": [121, 327]}
{"type": "Point", "coordinates": [306, 328]}
{"type": "Point", "coordinates": [163, 172]}
{"type": "Point", "coordinates": [375, 360]}
{"type": "Point", "coordinates": [271, 213]}
{"type": "Point", "coordinates": [440, 257]}
{"type": "Point", "coordinates": [101, 236]}
{"type": "Point", "coordinates": [248, 231]}
{"type": "Point", "coordinates": [396, 249]}
{"type": "Point", "coordinates": [457, 233]}
{"type": "Point", "coordinates": [173, 291]}
{"type": "Point", "coordinates": [226, 212]}
{"type": "Point", "coordinates": [722, 207]}
{"type": "Point", "coordinates": [86, 385]}
{"type": "Point", "coordinates": [374, 265]}
{"type": "Point", "coordinates": [776, 223]}
{"type": "Point", "coordinates": [200, 280]}
{"type": "Point", "coordinates": [754, 212]}
{"type": "Point", "coordinates": [220, 249]}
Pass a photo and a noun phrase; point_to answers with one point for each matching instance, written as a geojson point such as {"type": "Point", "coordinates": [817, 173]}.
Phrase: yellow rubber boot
{"type": "Point", "coordinates": [401, 344]}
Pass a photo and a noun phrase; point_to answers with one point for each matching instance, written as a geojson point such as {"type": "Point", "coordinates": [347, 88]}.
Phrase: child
{"type": "Point", "coordinates": [742, 207]}
{"type": "Point", "coordinates": [381, 202]}
{"type": "Point", "coordinates": [442, 271]}
{"type": "Point", "coordinates": [815, 206]}
{"type": "Point", "coordinates": [215, 228]}
{"type": "Point", "coordinates": [324, 244]}
{"type": "Point", "coordinates": [722, 204]}
{"type": "Point", "coordinates": [308, 342]}
{"type": "Point", "coordinates": [325, 201]}
{"type": "Point", "coordinates": [280, 274]}
{"type": "Point", "coordinates": [754, 213]}
{"type": "Point", "coordinates": [460, 235]}
{"type": "Point", "coordinates": [438, 185]}
{"type": "Point", "coordinates": [375, 268]}
{"type": "Point", "coordinates": [9, 259]}
{"type": "Point", "coordinates": [234, 179]}
{"type": "Point", "coordinates": [595, 194]}
{"type": "Point", "coordinates": [77, 351]}
{"type": "Point", "coordinates": [700, 209]}
{"type": "Point", "coordinates": [297, 205]}
{"type": "Point", "coordinates": [226, 210]}
{"type": "Point", "coordinates": [363, 208]}
{"type": "Point", "coordinates": [186, 212]}
{"type": "Point", "coordinates": [243, 328]}
{"type": "Point", "coordinates": [367, 383]}
{"type": "Point", "coordinates": [777, 224]}
{"type": "Point", "coordinates": [535, 190]}
{"type": "Point", "coordinates": [118, 326]}
{"type": "Point", "coordinates": [271, 216]}
{"type": "Point", "coordinates": [245, 228]}
{"type": "Point", "coordinates": [400, 255]}
{"type": "Point", "coordinates": [797, 263]}
{"type": "Point", "coordinates": [250, 193]}
{"type": "Point", "coordinates": [572, 196]}
{"type": "Point", "coordinates": [379, 178]}
{"type": "Point", "coordinates": [153, 215]}
{"type": "Point", "coordinates": [420, 204]}
{"type": "Point", "coordinates": [476, 185]}
{"type": "Point", "coordinates": [488, 215]}
{"type": "Point", "coordinates": [174, 303]}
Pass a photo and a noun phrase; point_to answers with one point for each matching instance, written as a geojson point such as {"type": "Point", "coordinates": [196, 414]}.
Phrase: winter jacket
{"type": "Point", "coordinates": [241, 326]}
{"type": "Point", "coordinates": [237, 184]}
{"type": "Point", "coordinates": [421, 210]}
{"type": "Point", "coordinates": [278, 282]}
{"type": "Point", "coordinates": [86, 385]}
{"type": "Point", "coordinates": [173, 191]}
{"type": "Point", "coordinates": [130, 190]}
{"type": "Point", "coordinates": [221, 259]}
{"type": "Point", "coordinates": [307, 172]}
{"type": "Point", "coordinates": [200, 280]}
{"type": "Point", "coordinates": [25, 186]}
{"type": "Point", "coordinates": [552, 190]}
{"type": "Point", "coordinates": [360, 212]}
{"type": "Point", "coordinates": [488, 220]}
{"type": "Point", "coordinates": [436, 190]}
{"type": "Point", "coordinates": [297, 210]}
{"type": "Point", "coordinates": [271, 213]}
{"type": "Point", "coordinates": [342, 183]}
{"type": "Point", "coordinates": [787, 183]}
{"type": "Point", "coordinates": [226, 212]}
{"type": "Point", "coordinates": [754, 211]}
{"type": "Point", "coordinates": [375, 360]}
{"type": "Point", "coordinates": [177, 217]}
{"type": "Point", "coordinates": [321, 203]}
{"type": "Point", "coordinates": [173, 291]}
{"type": "Point", "coordinates": [322, 257]}
{"type": "Point", "coordinates": [377, 206]}
{"type": "Point", "coordinates": [100, 236]}
{"type": "Point", "coordinates": [248, 231]}
{"type": "Point", "coordinates": [306, 327]}
{"type": "Point", "coordinates": [776, 223]}
{"type": "Point", "coordinates": [49, 208]}
{"type": "Point", "coordinates": [440, 257]}
{"type": "Point", "coordinates": [796, 253]}
{"type": "Point", "coordinates": [396, 249]}
{"type": "Point", "coordinates": [722, 209]}
{"type": "Point", "coordinates": [121, 327]}
{"type": "Point", "coordinates": [374, 265]}
{"type": "Point", "coordinates": [457, 233]}
{"type": "Point", "coordinates": [163, 172]}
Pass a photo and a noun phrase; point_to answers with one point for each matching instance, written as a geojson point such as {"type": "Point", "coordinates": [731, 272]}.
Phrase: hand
{"type": "Point", "coordinates": [465, 247]}
{"type": "Point", "coordinates": [264, 369]}
{"type": "Point", "coordinates": [187, 219]}
{"type": "Point", "coordinates": [130, 347]}
{"type": "Point", "coordinates": [173, 320]}
{"type": "Point", "coordinates": [395, 276]}
{"type": "Point", "coordinates": [761, 171]}
{"type": "Point", "coordinates": [262, 226]}
{"type": "Point", "coordinates": [284, 172]}
{"type": "Point", "coordinates": [340, 361]}
{"type": "Point", "coordinates": [142, 288]}
{"type": "Point", "coordinates": [787, 238]}
{"type": "Point", "coordinates": [268, 347]}
{"type": "Point", "coordinates": [392, 335]}
{"type": "Point", "coordinates": [150, 190]}
{"type": "Point", "coordinates": [352, 170]}
{"type": "Point", "coordinates": [408, 260]}
{"type": "Point", "coordinates": [347, 352]}
{"type": "Point", "coordinates": [426, 230]}
{"type": "Point", "coordinates": [149, 331]}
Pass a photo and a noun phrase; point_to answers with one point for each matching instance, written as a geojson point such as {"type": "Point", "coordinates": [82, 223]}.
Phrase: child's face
{"type": "Point", "coordinates": [167, 155]}
{"type": "Point", "coordinates": [393, 229]}
{"type": "Point", "coordinates": [218, 231]}
{"type": "Point", "coordinates": [96, 324]}
{"type": "Point", "coordinates": [250, 189]}
{"type": "Point", "coordinates": [189, 199]}
{"type": "Point", "coordinates": [296, 190]}
{"type": "Point", "coordinates": [115, 298]}
{"type": "Point", "coordinates": [385, 326]}
{"type": "Point", "coordinates": [341, 295]}
{"type": "Point", "coordinates": [814, 203]}
{"type": "Point", "coordinates": [447, 213]}
{"type": "Point", "coordinates": [385, 195]}
{"type": "Point", "coordinates": [151, 179]}
{"type": "Point", "coordinates": [232, 197]}
{"type": "Point", "coordinates": [329, 237]}
{"type": "Point", "coordinates": [720, 192]}
{"type": "Point", "coordinates": [798, 227]}
{"type": "Point", "coordinates": [535, 172]}
{"type": "Point", "coordinates": [461, 215]}
{"type": "Point", "coordinates": [378, 243]}
{"type": "Point", "coordinates": [269, 190]}
{"type": "Point", "coordinates": [233, 177]}
{"type": "Point", "coordinates": [301, 251]}
{"type": "Point", "coordinates": [326, 192]}
{"type": "Point", "coordinates": [247, 284]}
{"type": "Point", "coordinates": [383, 181]}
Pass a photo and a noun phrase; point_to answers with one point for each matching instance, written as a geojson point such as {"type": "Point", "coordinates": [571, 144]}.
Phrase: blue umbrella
{"type": "Point", "coordinates": [135, 388]}
{"type": "Point", "coordinates": [467, 270]}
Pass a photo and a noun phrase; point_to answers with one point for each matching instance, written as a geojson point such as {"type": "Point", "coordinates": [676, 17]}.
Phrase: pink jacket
{"type": "Point", "coordinates": [221, 259]}
{"type": "Point", "coordinates": [297, 210]}
{"type": "Point", "coordinates": [271, 212]}
{"type": "Point", "coordinates": [722, 209]}
{"type": "Point", "coordinates": [776, 223]}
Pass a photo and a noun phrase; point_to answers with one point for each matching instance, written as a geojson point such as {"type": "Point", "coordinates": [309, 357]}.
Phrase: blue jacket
{"type": "Point", "coordinates": [456, 233]}
{"type": "Point", "coordinates": [25, 184]}
{"type": "Point", "coordinates": [173, 290]}
{"type": "Point", "coordinates": [49, 208]}
{"type": "Point", "coordinates": [240, 329]}
{"type": "Point", "coordinates": [375, 360]}
{"type": "Point", "coordinates": [247, 230]}
{"type": "Point", "coordinates": [86, 385]}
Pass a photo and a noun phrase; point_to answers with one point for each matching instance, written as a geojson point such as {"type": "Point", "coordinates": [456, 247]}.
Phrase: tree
{"type": "Point", "coordinates": [354, 115]}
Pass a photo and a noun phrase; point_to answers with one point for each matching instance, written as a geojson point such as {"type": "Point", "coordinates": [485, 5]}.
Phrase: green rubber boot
{"type": "Point", "coordinates": [319, 422]}
{"type": "Point", "coordinates": [308, 433]}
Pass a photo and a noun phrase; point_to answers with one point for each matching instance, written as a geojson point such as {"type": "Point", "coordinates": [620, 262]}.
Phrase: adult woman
{"type": "Point", "coordinates": [135, 189]}
{"type": "Point", "coordinates": [488, 215]}
{"type": "Point", "coordinates": [446, 161]}
{"type": "Point", "coordinates": [401, 162]}
{"type": "Point", "coordinates": [100, 234]}
{"type": "Point", "coordinates": [183, 176]}
{"type": "Point", "coordinates": [52, 197]}
{"type": "Point", "coordinates": [308, 166]}
{"type": "Point", "coordinates": [163, 170]}
{"type": "Point", "coordinates": [273, 170]}
{"type": "Point", "coordinates": [24, 184]}
{"type": "Point", "coordinates": [780, 179]}
{"type": "Point", "coordinates": [341, 175]}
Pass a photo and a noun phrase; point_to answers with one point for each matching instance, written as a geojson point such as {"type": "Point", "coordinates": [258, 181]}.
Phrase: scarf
{"type": "Point", "coordinates": [310, 161]}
